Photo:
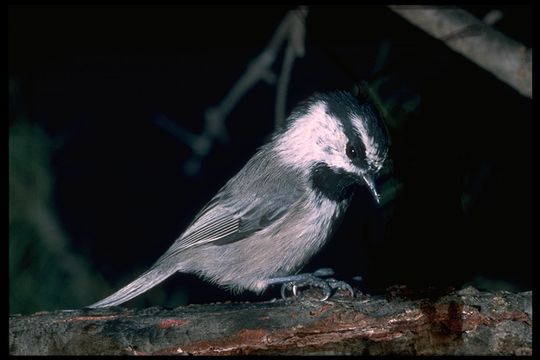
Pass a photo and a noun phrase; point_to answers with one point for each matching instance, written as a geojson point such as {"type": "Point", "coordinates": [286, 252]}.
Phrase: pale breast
{"type": "Point", "coordinates": [279, 250]}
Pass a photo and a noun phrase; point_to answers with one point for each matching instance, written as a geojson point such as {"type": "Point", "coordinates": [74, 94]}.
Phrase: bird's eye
{"type": "Point", "coordinates": [351, 151]}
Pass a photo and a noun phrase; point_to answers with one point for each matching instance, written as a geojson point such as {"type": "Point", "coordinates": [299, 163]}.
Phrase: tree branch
{"type": "Point", "coordinates": [505, 58]}
{"type": "Point", "coordinates": [463, 322]}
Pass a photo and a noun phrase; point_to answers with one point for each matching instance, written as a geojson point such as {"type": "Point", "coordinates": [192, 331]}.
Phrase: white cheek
{"type": "Point", "coordinates": [313, 138]}
{"type": "Point", "coordinates": [339, 161]}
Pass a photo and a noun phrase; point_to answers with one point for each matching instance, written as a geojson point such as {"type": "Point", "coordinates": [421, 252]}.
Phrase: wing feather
{"type": "Point", "coordinates": [235, 213]}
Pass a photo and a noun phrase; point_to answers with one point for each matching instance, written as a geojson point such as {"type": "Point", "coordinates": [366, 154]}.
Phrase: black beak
{"type": "Point", "coordinates": [370, 183]}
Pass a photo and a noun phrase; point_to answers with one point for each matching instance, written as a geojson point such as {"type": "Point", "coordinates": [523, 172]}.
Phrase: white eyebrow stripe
{"type": "Point", "coordinates": [372, 153]}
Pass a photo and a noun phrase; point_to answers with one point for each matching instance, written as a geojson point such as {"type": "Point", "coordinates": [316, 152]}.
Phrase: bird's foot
{"type": "Point", "coordinates": [293, 282]}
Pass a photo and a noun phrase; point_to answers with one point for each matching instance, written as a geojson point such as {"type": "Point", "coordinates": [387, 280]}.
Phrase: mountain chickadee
{"type": "Point", "coordinates": [282, 206]}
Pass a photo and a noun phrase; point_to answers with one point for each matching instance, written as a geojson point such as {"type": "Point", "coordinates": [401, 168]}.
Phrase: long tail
{"type": "Point", "coordinates": [143, 283]}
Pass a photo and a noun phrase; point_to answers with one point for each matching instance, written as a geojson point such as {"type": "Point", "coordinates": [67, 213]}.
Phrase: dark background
{"type": "Point", "coordinates": [95, 78]}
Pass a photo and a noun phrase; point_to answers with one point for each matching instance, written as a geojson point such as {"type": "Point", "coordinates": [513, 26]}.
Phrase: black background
{"type": "Point", "coordinates": [95, 78]}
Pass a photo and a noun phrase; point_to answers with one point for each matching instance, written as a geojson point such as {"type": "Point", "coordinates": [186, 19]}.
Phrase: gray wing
{"type": "Point", "coordinates": [232, 216]}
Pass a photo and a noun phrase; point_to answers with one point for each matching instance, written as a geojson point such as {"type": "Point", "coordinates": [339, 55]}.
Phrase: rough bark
{"type": "Point", "coordinates": [464, 322]}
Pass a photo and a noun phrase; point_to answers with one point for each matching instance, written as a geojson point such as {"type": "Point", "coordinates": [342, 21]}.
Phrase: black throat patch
{"type": "Point", "coordinates": [336, 185]}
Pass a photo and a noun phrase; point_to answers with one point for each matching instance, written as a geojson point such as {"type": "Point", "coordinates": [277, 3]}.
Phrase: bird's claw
{"type": "Point", "coordinates": [340, 285]}
{"type": "Point", "coordinates": [314, 280]}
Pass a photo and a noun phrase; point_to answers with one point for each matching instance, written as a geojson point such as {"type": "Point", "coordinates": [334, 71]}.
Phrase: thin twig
{"type": "Point", "coordinates": [295, 48]}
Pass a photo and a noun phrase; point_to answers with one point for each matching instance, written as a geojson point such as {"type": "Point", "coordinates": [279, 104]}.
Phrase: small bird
{"type": "Point", "coordinates": [283, 205]}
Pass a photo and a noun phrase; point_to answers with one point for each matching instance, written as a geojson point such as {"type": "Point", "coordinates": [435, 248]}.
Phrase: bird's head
{"type": "Point", "coordinates": [337, 141]}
